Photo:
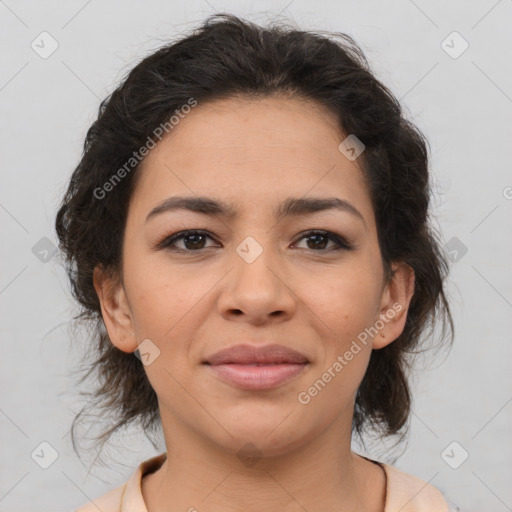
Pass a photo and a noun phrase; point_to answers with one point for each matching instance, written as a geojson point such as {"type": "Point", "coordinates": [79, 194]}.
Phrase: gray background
{"type": "Point", "coordinates": [462, 104]}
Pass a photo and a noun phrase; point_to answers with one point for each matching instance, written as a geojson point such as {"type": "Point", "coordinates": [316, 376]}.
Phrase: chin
{"type": "Point", "coordinates": [266, 435]}
{"type": "Point", "coordinates": [254, 446]}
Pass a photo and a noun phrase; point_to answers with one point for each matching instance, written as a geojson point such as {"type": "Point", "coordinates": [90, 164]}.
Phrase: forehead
{"type": "Point", "coordinates": [251, 150]}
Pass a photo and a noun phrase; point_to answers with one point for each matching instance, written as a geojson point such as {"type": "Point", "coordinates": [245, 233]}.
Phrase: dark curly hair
{"type": "Point", "coordinates": [228, 56]}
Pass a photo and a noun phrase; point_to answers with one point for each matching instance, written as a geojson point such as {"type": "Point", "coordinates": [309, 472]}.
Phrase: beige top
{"type": "Point", "coordinates": [404, 492]}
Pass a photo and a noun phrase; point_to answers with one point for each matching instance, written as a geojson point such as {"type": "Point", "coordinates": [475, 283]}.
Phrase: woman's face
{"type": "Point", "coordinates": [253, 277]}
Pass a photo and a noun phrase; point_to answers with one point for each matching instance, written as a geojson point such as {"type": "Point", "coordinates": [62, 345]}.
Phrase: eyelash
{"type": "Point", "coordinates": [341, 243]}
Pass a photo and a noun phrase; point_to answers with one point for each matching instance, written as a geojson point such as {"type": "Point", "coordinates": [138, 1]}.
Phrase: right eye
{"type": "Point", "coordinates": [193, 240]}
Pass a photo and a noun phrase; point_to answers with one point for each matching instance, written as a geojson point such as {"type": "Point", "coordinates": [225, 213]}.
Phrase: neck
{"type": "Point", "coordinates": [323, 474]}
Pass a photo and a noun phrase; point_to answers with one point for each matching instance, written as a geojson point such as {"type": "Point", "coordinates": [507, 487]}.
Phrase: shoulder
{"type": "Point", "coordinates": [129, 495]}
{"type": "Point", "coordinates": [109, 502]}
{"type": "Point", "coordinates": [407, 493]}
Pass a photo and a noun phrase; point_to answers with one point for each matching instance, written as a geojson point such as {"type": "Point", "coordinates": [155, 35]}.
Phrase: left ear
{"type": "Point", "coordinates": [396, 298]}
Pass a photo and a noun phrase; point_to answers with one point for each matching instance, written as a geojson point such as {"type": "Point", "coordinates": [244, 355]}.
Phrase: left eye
{"type": "Point", "coordinates": [194, 240]}
{"type": "Point", "coordinates": [321, 238]}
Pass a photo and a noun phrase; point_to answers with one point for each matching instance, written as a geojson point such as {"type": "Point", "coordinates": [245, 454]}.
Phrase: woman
{"type": "Point", "coordinates": [248, 226]}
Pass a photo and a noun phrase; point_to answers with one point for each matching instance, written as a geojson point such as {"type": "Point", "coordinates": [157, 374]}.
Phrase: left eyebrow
{"type": "Point", "coordinates": [292, 206]}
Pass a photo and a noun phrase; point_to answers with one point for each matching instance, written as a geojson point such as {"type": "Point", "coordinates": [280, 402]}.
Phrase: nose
{"type": "Point", "coordinates": [257, 292]}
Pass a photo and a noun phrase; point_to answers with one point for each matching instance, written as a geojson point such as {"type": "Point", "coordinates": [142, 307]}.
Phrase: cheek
{"type": "Point", "coordinates": [154, 308]}
{"type": "Point", "coordinates": [346, 304]}
{"type": "Point", "coordinates": [160, 296]}
{"type": "Point", "coordinates": [344, 312]}
{"type": "Point", "coordinates": [168, 307]}
{"type": "Point", "coordinates": [165, 315]}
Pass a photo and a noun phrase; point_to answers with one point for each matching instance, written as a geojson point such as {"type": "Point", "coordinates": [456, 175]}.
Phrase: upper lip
{"type": "Point", "coordinates": [249, 354]}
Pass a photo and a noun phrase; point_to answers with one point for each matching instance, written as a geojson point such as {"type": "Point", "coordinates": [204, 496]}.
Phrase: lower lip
{"type": "Point", "coordinates": [249, 376]}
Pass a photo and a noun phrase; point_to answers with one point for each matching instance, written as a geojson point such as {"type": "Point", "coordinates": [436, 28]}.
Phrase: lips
{"type": "Point", "coordinates": [247, 354]}
{"type": "Point", "coordinates": [263, 367]}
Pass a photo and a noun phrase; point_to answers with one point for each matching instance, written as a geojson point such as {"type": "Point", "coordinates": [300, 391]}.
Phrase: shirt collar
{"type": "Point", "coordinates": [132, 500]}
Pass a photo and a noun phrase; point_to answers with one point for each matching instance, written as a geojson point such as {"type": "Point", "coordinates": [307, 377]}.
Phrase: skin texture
{"type": "Point", "coordinates": [254, 154]}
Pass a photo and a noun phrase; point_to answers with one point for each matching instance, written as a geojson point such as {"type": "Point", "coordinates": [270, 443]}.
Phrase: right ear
{"type": "Point", "coordinates": [115, 309]}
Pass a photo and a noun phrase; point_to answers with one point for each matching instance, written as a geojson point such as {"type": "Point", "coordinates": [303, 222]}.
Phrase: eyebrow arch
{"type": "Point", "coordinates": [289, 207]}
